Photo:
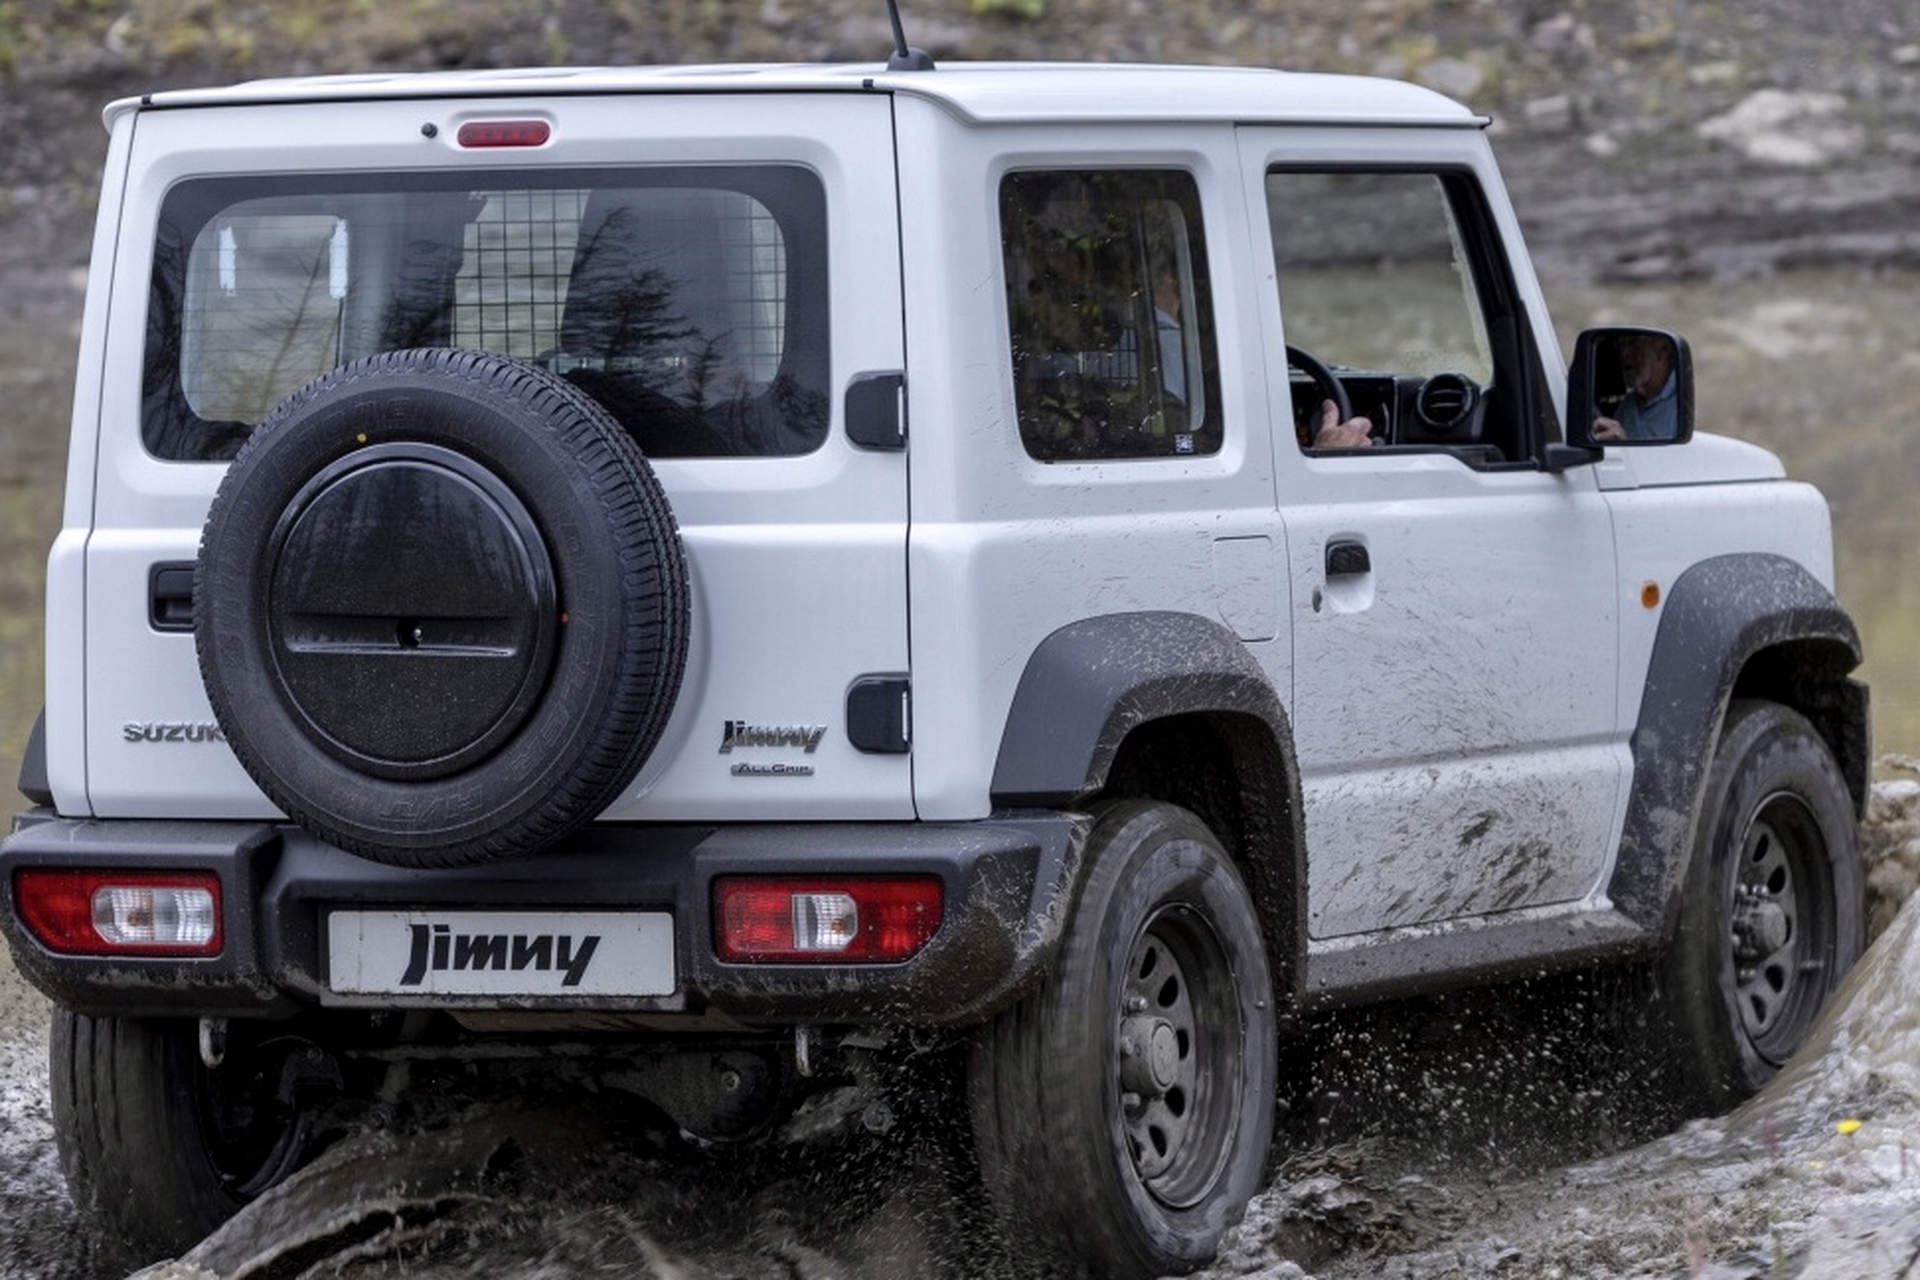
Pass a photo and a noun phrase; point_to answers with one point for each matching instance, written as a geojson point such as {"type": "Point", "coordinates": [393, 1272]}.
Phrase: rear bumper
{"type": "Point", "coordinates": [1006, 883]}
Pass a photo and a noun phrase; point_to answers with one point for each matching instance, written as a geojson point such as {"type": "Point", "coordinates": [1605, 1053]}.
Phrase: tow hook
{"type": "Point", "coordinates": [213, 1042]}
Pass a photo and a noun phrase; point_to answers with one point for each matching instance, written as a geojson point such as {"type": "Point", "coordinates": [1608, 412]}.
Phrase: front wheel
{"type": "Point", "coordinates": [1122, 1113]}
{"type": "Point", "coordinates": [1772, 914]}
{"type": "Point", "coordinates": [159, 1148]}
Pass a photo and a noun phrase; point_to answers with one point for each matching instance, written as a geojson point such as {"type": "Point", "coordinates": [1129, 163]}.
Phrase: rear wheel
{"type": "Point", "coordinates": [1122, 1113]}
{"type": "Point", "coordinates": [1772, 914]}
{"type": "Point", "coordinates": [159, 1148]}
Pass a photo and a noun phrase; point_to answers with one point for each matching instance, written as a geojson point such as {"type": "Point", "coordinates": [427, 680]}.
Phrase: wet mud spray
{"type": "Point", "coordinates": [1456, 1138]}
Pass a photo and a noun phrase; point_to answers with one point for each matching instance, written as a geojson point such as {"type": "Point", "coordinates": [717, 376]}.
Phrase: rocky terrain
{"type": "Point", "coordinates": [1642, 138]}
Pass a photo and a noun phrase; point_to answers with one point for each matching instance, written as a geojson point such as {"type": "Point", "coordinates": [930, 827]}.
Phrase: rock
{"type": "Point", "coordinates": [859, 36]}
{"type": "Point", "coordinates": [1553, 34]}
{"type": "Point", "coordinates": [1652, 36]}
{"type": "Point", "coordinates": [1725, 72]}
{"type": "Point", "coordinates": [1602, 146]}
{"type": "Point", "coordinates": [1550, 115]}
{"type": "Point", "coordinates": [1561, 35]}
{"type": "Point", "coordinates": [1391, 66]}
{"type": "Point", "coordinates": [1793, 130]}
{"type": "Point", "coordinates": [1455, 77]}
{"type": "Point", "coordinates": [1868, 1240]}
{"type": "Point", "coordinates": [1891, 840]}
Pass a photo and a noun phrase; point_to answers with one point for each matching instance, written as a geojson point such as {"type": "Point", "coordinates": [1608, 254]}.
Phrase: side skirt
{"type": "Point", "coordinates": [1439, 957]}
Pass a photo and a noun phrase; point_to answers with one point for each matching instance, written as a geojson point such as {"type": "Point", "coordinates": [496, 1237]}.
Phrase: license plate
{"type": "Point", "coordinates": [500, 953]}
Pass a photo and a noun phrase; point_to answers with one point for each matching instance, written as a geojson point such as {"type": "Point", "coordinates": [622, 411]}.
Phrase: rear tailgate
{"type": "Point", "coordinates": [265, 244]}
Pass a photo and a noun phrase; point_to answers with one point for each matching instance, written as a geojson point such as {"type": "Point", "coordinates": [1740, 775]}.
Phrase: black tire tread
{"type": "Point", "coordinates": [1025, 1091]}
{"type": "Point", "coordinates": [655, 609]}
{"type": "Point", "coordinates": [1706, 1055]}
{"type": "Point", "coordinates": [120, 1112]}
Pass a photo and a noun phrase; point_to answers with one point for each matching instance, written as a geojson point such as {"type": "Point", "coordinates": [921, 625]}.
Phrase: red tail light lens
{"type": "Point", "coordinates": [104, 913]}
{"type": "Point", "coordinates": [824, 920]}
{"type": "Point", "coordinates": [504, 133]}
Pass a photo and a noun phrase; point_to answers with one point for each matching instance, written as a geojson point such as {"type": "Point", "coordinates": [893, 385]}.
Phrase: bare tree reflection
{"type": "Point", "coordinates": [683, 309]}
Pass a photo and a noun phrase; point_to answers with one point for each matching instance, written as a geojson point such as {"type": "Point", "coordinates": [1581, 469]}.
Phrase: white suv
{"type": "Point", "coordinates": [764, 565]}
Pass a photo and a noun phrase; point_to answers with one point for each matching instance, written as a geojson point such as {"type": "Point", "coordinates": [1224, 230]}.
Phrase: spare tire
{"type": "Point", "coordinates": [440, 608]}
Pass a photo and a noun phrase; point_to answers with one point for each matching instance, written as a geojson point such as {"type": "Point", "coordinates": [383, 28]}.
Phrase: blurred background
{"type": "Point", "coordinates": [1747, 173]}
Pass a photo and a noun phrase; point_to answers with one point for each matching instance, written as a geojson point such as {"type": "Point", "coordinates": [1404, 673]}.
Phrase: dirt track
{"type": "Point", "coordinates": [37, 1227]}
{"type": "Point", "coordinates": [1452, 1138]}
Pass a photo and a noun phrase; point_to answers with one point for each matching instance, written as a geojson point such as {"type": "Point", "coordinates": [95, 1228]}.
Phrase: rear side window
{"type": "Point", "coordinates": [692, 303]}
{"type": "Point", "coordinates": [1109, 314]}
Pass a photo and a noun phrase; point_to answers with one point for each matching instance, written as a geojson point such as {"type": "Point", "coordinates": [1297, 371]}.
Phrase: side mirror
{"type": "Point", "coordinates": [1629, 386]}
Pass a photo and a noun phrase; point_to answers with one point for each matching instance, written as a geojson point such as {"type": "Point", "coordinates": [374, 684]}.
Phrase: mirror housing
{"type": "Point", "coordinates": [1629, 386]}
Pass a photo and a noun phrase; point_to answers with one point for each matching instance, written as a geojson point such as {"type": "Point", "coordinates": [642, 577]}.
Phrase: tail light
{"type": "Point", "coordinates": [504, 133]}
{"type": "Point", "coordinates": [824, 920]}
{"type": "Point", "coordinates": [103, 913]}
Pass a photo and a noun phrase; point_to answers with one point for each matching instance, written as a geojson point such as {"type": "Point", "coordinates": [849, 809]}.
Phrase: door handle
{"type": "Point", "coordinates": [170, 596]}
{"type": "Point", "coordinates": [1348, 560]}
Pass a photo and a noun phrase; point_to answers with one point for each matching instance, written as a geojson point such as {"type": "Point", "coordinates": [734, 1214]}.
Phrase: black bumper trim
{"type": "Point", "coordinates": [1006, 882]}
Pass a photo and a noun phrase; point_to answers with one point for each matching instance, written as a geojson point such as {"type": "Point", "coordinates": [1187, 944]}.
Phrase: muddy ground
{"type": "Point", "coordinates": [1480, 1135]}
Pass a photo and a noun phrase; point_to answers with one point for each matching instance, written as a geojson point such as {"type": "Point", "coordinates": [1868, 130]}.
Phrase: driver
{"type": "Point", "coordinates": [1354, 433]}
{"type": "Point", "coordinates": [1650, 409]}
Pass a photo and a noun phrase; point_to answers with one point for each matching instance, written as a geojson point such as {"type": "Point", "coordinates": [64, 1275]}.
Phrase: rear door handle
{"type": "Point", "coordinates": [170, 596]}
{"type": "Point", "coordinates": [1348, 560]}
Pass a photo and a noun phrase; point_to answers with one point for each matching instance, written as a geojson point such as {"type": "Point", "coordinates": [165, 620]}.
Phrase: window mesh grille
{"type": "Point", "coordinates": [755, 284]}
{"type": "Point", "coordinates": [512, 286]}
{"type": "Point", "coordinates": [674, 298]}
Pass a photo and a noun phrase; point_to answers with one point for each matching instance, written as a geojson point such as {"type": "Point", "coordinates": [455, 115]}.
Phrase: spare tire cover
{"type": "Point", "coordinates": [441, 608]}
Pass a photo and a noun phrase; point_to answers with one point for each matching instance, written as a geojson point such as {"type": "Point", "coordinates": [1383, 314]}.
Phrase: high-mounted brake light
{"type": "Point", "coordinates": [824, 920]}
{"type": "Point", "coordinates": [101, 913]}
{"type": "Point", "coordinates": [504, 133]}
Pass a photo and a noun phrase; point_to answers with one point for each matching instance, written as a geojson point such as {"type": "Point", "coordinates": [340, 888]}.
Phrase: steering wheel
{"type": "Point", "coordinates": [1325, 383]}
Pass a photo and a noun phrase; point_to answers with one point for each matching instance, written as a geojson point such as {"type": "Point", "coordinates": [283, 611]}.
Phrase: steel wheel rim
{"type": "Point", "coordinates": [1781, 925]}
{"type": "Point", "coordinates": [1178, 1045]}
{"type": "Point", "coordinates": [252, 1131]}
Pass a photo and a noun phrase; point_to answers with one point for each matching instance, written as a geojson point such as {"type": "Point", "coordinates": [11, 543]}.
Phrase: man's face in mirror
{"type": "Point", "coordinates": [1645, 362]}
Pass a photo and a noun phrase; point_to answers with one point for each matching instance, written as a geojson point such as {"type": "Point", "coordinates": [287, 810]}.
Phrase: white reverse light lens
{"type": "Point", "coordinates": [157, 915]}
{"type": "Point", "coordinates": [824, 921]}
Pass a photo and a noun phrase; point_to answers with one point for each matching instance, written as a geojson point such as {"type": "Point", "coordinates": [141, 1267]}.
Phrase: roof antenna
{"type": "Point", "coordinates": [904, 58]}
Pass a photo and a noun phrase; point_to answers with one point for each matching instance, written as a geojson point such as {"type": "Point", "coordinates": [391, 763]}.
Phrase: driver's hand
{"type": "Point", "coordinates": [1608, 429]}
{"type": "Point", "coordinates": [1354, 433]}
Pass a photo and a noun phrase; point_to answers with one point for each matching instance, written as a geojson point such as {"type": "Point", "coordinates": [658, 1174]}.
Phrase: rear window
{"type": "Point", "coordinates": [692, 303]}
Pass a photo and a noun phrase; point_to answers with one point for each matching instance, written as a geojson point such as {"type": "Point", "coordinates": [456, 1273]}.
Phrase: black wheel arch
{"type": "Point", "coordinates": [1747, 625]}
{"type": "Point", "coordinates": [1168, 706]}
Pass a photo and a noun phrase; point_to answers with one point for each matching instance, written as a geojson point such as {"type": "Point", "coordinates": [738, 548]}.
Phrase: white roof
{"type": "Point", "coordinates": [981, 92]}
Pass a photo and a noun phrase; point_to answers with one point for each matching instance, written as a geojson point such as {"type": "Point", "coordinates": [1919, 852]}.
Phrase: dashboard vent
{"type": "Point", "coordinates": [1446, 401]}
